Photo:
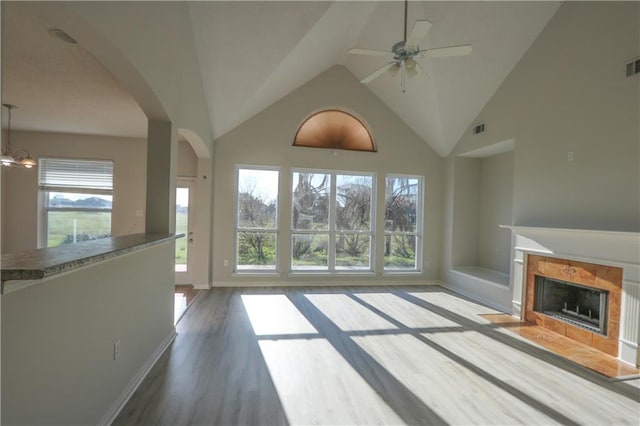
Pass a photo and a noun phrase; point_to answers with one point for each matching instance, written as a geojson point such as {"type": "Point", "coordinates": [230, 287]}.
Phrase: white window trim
{"type": "Point", "coordinates": [332, 231]}
{"type": "Point", "coordinates": [236, 229]}
{"type": "Point", "coordinates": [43, 202]}
{"type": "Point", "coordinates": [419, 226]}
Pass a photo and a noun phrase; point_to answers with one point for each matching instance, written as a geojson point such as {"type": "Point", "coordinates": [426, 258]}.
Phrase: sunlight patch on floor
{"type": "Point", "coordinates": [407, 313]}
{"type": "Point", "coordinates": [348, 314]}
{"type": "Point", "coordinates": [417, 366]}
{"type": "Point", "coordinates": [302, 371]}
{"type": "Point", "coordinates": [179, 306]}
{"type": "Point", "coordinates": [274, 314]}
{"type": "Point", "coordinates": [534, 376]}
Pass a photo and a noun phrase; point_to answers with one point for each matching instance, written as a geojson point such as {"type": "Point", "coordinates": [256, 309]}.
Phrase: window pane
{"type": "Point", "coordinates": [310, 200]}
{"type": "Point", "coordinates": [57, 200]}
{"type": "Point", "coordinates": [182, 227]}
{"type": "Point", "coordinates": [401, 199]}
{"type": "Point", "coordinates": [257, 198]}
{"type": "Point", "coordinates": [400, 252]}
{"type": "Point", "coordinates": [66, 227]}
{"type": "Point", "coordinates": [353, 202]}
{"type": "Point", "coordinates": [352, 251]}
{"type": "Point", "coordinates": [309, 251]}
{"type": "Point", "coordinates": [256, 250]}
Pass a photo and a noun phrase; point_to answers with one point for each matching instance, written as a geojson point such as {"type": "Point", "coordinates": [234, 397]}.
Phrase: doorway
{"type": "Point", "coordinates": [184, 225]}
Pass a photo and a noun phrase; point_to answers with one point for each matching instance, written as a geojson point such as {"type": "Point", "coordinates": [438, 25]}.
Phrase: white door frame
{"type": "Point", "coordinates": [186, 277]}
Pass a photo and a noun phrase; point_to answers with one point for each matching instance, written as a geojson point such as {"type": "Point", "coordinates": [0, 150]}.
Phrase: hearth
{"type": "Point", "coordinates": [580, 306]}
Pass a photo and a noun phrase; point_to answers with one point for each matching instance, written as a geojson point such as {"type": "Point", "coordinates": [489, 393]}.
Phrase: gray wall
{"type": "Point", "coordinates": [20, 187]}
{"type": "Point", "coordinates": [569, 94]}
{"type": "Point", "coordinates": [266, 140]}
{"type": "Point", "coordinates": [466, 203]}
{"type": "Point", "coordinates": [58, 336]}
{"type": "Point", "coordinates": [496, 195]}
{"type": "Point", "coordinates": [187, 160]}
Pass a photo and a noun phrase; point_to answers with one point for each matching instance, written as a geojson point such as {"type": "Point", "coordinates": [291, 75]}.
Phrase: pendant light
{"type": "Point", "coordinates": [9, 158]}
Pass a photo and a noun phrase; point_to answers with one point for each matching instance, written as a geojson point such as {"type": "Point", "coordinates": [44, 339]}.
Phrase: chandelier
{"type": "Point", "coordinates": [10, 158]}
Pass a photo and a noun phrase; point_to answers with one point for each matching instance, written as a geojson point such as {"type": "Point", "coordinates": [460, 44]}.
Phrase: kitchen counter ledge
{"type": "Point", "coordinates": [42, 263]}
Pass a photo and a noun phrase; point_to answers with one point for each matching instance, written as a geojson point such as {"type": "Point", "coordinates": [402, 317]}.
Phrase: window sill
{"type": "Point", "coordinates": [256, 274]}
{"type": "Point", "coordinates": [332, 273]}
{"type": "Point", "coordinates": [401, 273]}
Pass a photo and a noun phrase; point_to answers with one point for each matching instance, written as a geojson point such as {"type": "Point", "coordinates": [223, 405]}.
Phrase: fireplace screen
{"type": "Point", "coordinates": [575, 304]}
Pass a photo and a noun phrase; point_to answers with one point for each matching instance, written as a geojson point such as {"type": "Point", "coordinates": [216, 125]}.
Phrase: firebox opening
{"type": "Point", "coordinates": [581, 306]}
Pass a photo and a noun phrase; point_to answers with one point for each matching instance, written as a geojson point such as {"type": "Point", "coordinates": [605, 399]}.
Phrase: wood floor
{"type": "Point", "coordinates": [183, 297]}
{"type": "Point", "coordinates": [415, 355]}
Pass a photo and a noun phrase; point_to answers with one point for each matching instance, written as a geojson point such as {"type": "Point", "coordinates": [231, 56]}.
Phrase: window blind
{"type": "Point", "coordinates": [70, 174]}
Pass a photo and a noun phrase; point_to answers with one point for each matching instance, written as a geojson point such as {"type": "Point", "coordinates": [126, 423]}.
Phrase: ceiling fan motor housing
{"type": "Point", "coordinates": [400, 53]}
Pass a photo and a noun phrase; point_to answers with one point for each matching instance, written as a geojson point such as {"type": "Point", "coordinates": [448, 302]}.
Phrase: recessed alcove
{"type": "Point", "coordinates": [483, 193]}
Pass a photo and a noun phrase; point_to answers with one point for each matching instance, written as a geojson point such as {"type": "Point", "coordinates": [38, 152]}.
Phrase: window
{"type": "Point", "coordinates": [77, 199]}
{"type": "Point", "coordinates": [334, 129]}
{"type": "Point", "coordinates": [332, 221]}
{"type": "Point", "coordinates": [256, 219]}
{"type": "Point", "coordinates": [403, 224]}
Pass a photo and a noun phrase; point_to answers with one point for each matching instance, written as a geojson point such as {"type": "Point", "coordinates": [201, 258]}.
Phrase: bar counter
{"type": "Point", "coordinates": [42, 263]}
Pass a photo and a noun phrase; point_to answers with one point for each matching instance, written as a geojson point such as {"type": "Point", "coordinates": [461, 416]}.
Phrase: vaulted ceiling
{"type": "Point", "coordinates": [253, 53]}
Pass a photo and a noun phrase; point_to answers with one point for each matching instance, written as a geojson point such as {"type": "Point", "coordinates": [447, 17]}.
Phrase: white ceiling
{"type": "Point", "coordinates": [253, 53]}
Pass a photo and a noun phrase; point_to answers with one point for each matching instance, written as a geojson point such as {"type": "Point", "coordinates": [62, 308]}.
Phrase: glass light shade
{"type": "Point", "coordinates": [411, 68]}
{"type": "Point", "coordinates": [7, 160]}
{"type": "Point", "coordinates": [28, 162]}
{"type": "Point", "coordinates": [394, 70]}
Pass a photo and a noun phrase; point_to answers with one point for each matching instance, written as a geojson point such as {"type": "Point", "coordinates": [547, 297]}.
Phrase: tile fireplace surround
{"type": "Point", "coordinates": [601, 259]}
{"type": "Point", "coordinates": [608, 278]}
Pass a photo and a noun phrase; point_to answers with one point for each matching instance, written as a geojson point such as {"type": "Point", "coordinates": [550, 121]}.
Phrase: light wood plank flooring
{"type": "Point", "coordinates": [414, 355]}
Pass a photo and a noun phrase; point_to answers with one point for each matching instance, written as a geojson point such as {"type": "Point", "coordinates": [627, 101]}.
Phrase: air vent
{"type": "Point", "coordinates": [478, 128]}
{"type": "Point", "coordinates": [633, 67]}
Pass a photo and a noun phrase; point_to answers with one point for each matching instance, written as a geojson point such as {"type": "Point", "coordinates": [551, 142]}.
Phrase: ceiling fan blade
{"type": "Point", "coordinates": [419, 31]}
{"type": "Point", "coordinates": [461, 50]}
{"type": "Point", "coordinates": [370, 52]}
{"type": "Point", "coordinates": [421, 71]}
{"type": "Point", "coordinates": [377, 73]}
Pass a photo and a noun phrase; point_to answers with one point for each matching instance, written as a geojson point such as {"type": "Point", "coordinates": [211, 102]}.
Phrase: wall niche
{"type": "Point", "coordinates": [483, 200]}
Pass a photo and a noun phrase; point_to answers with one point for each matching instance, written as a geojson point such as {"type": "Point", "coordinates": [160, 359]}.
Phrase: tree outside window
{"type": "Point", "coordinates": [257, 219]}
{"type": "Point", "coordinates": [331, 221]}
{"type": "Point", "coordinates": [402, 215]}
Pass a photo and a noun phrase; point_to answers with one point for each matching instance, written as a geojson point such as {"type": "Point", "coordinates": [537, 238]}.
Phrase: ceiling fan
{"type": "Point", "coordinates": [404, 53]}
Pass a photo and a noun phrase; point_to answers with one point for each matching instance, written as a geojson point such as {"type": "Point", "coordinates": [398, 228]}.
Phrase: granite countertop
{"type": "Point", "coordinates": [40, 263]}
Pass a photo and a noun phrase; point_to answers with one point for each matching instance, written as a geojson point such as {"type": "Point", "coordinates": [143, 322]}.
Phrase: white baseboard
{"type": "Point", "coordinates": [475, 297]}
{"type": "Point", "coordinates": [201, 286]}
{"type": "Point", "coordinates": [135, 381]}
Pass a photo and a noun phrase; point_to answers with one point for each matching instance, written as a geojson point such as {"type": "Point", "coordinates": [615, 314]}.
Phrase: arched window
{"type": "Point", "coordinates": [334, 129]}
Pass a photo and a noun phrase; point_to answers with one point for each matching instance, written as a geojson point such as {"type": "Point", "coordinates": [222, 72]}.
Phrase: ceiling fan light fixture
{"type": "Point", "coordinates": [21, 158]}
{"type": "Point", "coordinates": [7, 159]}
{"type": "Point", "coordinates": [28, 162]}
{"type": "Point", "coordinates": [412, 69]}
{"type": "Point", "coordinates": [404, 52]}
{"type": "Point", "coordinates": [394, 70]}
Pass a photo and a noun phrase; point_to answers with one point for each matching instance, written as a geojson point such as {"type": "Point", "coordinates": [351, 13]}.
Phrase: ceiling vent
{"type": "Point", "coordinates": [633, 67]}
{"type": "Point", "coordinates": [478, 128]}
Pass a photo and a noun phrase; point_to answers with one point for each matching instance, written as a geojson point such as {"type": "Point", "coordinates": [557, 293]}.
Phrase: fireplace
{"type": "Point", "coordinates": [584, 307]}
{"type": "Point", "coordinates": [579, 300]}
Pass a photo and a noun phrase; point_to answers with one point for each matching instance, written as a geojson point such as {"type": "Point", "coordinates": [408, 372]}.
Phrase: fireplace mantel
{"type": "Point", "coordinates": [613, 248]}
